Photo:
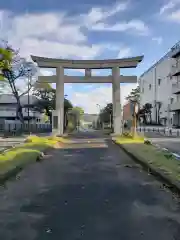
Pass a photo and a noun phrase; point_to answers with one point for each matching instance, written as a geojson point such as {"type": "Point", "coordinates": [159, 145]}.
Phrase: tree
{"type": "Point", "coordinates": [47, 101]}
{"type": "Point", "coordinates": [80, 110]}
{"type": "Point", "coordinates": [159, 105]}
{"type": "Point", "coordinates": [78, 113]}
{"type": "Point", "coordinates": [145, 113]}
{"type": "Point", "coordinates": [106, 114]}
{"type": "Point", "coordinates": [134, 94]}
{"type": "Point", "coordinates": [12, 69]}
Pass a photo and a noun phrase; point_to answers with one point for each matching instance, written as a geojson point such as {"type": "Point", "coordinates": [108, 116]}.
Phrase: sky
{"type": "Point", "coordinates": [89, 29]}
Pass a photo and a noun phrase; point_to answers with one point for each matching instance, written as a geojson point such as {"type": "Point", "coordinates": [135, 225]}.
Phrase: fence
{"type": "Point", "coordinates": [163, 131]}
{"type": "Point", "coordinates": [10, 128]}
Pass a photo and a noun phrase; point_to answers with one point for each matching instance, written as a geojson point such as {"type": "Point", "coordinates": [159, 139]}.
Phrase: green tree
{"type": "Point", "coordinates": [134, 94]}
{"type": "Point", "coordinates": [14, 71]}
{"type": "Point", "coordinates": [106, 113]}
{"type": "Point", "coordinates": [47, 101]}
{"type": "Point", "coordinates": [145, 113]}
{"type": "Point", "coordinates": [79, 111]}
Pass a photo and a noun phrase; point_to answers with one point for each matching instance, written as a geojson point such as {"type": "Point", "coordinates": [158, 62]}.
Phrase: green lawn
{"type": "Point", "coordinates": [127, 138]}
{"type": "Point", "coordinates": [26, 153]}
{"type": "Point", "coordinates": [156, 158]}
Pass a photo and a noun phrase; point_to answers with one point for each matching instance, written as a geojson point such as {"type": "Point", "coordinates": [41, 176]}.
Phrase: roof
{"type": "Point", "coordinates": [10, 99]}
{"type": "Point", "coordinates": [167, 55]}
{"type": "Point", "coordinates": [86, 64]}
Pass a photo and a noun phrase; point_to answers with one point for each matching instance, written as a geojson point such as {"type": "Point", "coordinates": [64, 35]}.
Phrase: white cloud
{"type": "Point", "coordinates": [168, 6]}
{"type": "Point", "coordinates": [101, 96]}
{"type": "Point", "coordinates": [98, 14]}
{"type": "Point", "coordinates": [171, 11]}
{"type": "Point", "coordinates": [157, 39]}
{"type": "Point", "coordinates": [54, 34]}
{"type": "Point", "coordinates": [68, 86]}
{"type": "Point", "coordinates": [175, 16]}
{"type": "Point", "coordinates": [57, 49]}
{"type": "Point", "coordinates": [48, 35]}
{"type": "Point", "coordinates": [59, 35]}
{"type": "Point", "coordinates": [133, 26]}
{"type": "Point", "coordinates": [124, 52]}
{"type": "Point", "coordinates": [46, 72]}
{"type": "Point", "coordinates": [96, 20]}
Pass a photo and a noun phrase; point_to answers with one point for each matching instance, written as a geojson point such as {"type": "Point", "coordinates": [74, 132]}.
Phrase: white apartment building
{"type": "Point", "coordinates": [160, 86]}
{"type": "Point", "coordinates": [8, 108]}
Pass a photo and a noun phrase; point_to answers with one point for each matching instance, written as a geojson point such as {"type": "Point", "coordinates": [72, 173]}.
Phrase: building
{"type": "Point", "coordinates": [160, 86]}
{"type": "Point", "coordinates": [127, 115]}
{"type": "Point", "coordinates": [8, 106]}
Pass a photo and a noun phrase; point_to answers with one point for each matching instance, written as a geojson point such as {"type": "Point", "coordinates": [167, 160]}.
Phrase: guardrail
{"type": "Point", "coordinates": [164, 131]}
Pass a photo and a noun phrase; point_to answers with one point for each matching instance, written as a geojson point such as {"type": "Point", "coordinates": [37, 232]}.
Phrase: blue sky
{"type": "Point", "coordinates": [93, 30]}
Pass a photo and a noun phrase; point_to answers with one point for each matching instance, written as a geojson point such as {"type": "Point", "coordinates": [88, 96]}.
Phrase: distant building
{"type": "Point", "coordinates": [8, 106]}
{"type": "Point", "coordinates": [127, 115]}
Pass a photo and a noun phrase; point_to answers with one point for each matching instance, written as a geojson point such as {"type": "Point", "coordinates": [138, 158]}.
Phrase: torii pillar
{"type": "Point", "coordinates": [60, 100]}
{"type": "Point", "coordinates": [116, 100]}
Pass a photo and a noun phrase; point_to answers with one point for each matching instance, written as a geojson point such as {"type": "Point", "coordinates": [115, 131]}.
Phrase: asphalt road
{"type": "Point", "coordinates": [91, 190]}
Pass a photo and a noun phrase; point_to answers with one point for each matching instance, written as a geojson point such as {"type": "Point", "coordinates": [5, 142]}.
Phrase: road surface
{"type": "Point", "coordinates": [90, 190]}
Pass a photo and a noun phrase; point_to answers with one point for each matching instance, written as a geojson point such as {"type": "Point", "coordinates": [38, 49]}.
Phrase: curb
{"type": "Point", "coordinates": [173, 185]}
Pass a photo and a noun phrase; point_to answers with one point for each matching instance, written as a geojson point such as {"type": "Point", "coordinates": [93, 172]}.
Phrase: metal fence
{"type": "Point", "coordinates": [164, 131]}
{"type": "Point", "coordinates": [11, 129]}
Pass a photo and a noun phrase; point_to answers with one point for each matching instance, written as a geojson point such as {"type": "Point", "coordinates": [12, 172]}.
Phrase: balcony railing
{"type": "Point", "coordinates": [175, 51]}
{"type": "Point", "coordinates": [176, 88]}
{"type": "Point", "coordinates": [175, 70]}
{"type": "Point", "coordinates": [175, 106]}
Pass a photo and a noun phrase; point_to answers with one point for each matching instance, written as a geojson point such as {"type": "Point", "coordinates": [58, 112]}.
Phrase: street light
{"type": "Point", "coordinates": [99, 113]}
{"type": "Point", "coordinates": [31, 70]}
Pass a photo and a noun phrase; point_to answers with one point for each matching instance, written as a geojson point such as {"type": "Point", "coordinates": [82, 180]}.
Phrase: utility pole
{"type": "Point", "coordinates": [110, 122]}
{"type": "Point", "coordinates": [135, 111]}
{"type": "Point", "coordinates": [99, 114]}
{"type": "Point", "coordinates": [28, 100]}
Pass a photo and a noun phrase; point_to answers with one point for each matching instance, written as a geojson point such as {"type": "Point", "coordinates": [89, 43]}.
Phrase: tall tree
{"type": "Point", "coordinates": [145, 113]}
{"type": "Point", "coordinates": [106, 114]}
{"type": "Point", "coordinates": [14, 72]}
{"type": "Point", "coordinates": [78, 113]}
{"type": "Point", "coordinates": [134, 94]}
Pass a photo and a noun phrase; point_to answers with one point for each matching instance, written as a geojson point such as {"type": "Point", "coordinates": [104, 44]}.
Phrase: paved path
{"type": "Point", "coordinates": [9, 142]}
{"type": "Point", "coordinates": [87, 191]}
{"type": "Point", "coordinates": [16, 140]}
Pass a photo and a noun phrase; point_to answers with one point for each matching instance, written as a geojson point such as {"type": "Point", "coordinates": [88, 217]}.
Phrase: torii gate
{"type": "Point", "coordinates": [60, 79]}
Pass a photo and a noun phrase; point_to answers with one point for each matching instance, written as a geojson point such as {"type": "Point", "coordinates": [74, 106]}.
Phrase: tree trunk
{"type": "Point", "coordinates": [19, 113]}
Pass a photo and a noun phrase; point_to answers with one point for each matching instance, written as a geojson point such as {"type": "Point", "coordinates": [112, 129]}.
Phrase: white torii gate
{"type": "Point", "coordinates": [88, 65]}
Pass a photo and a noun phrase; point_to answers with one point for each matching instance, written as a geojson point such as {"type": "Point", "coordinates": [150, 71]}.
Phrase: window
{"type": "Point", "coordinates": [149, 86]}
{"type": "Point", "coordinates": [172, 100]}
{"type": "Point", "coordinates": [159, 81]}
